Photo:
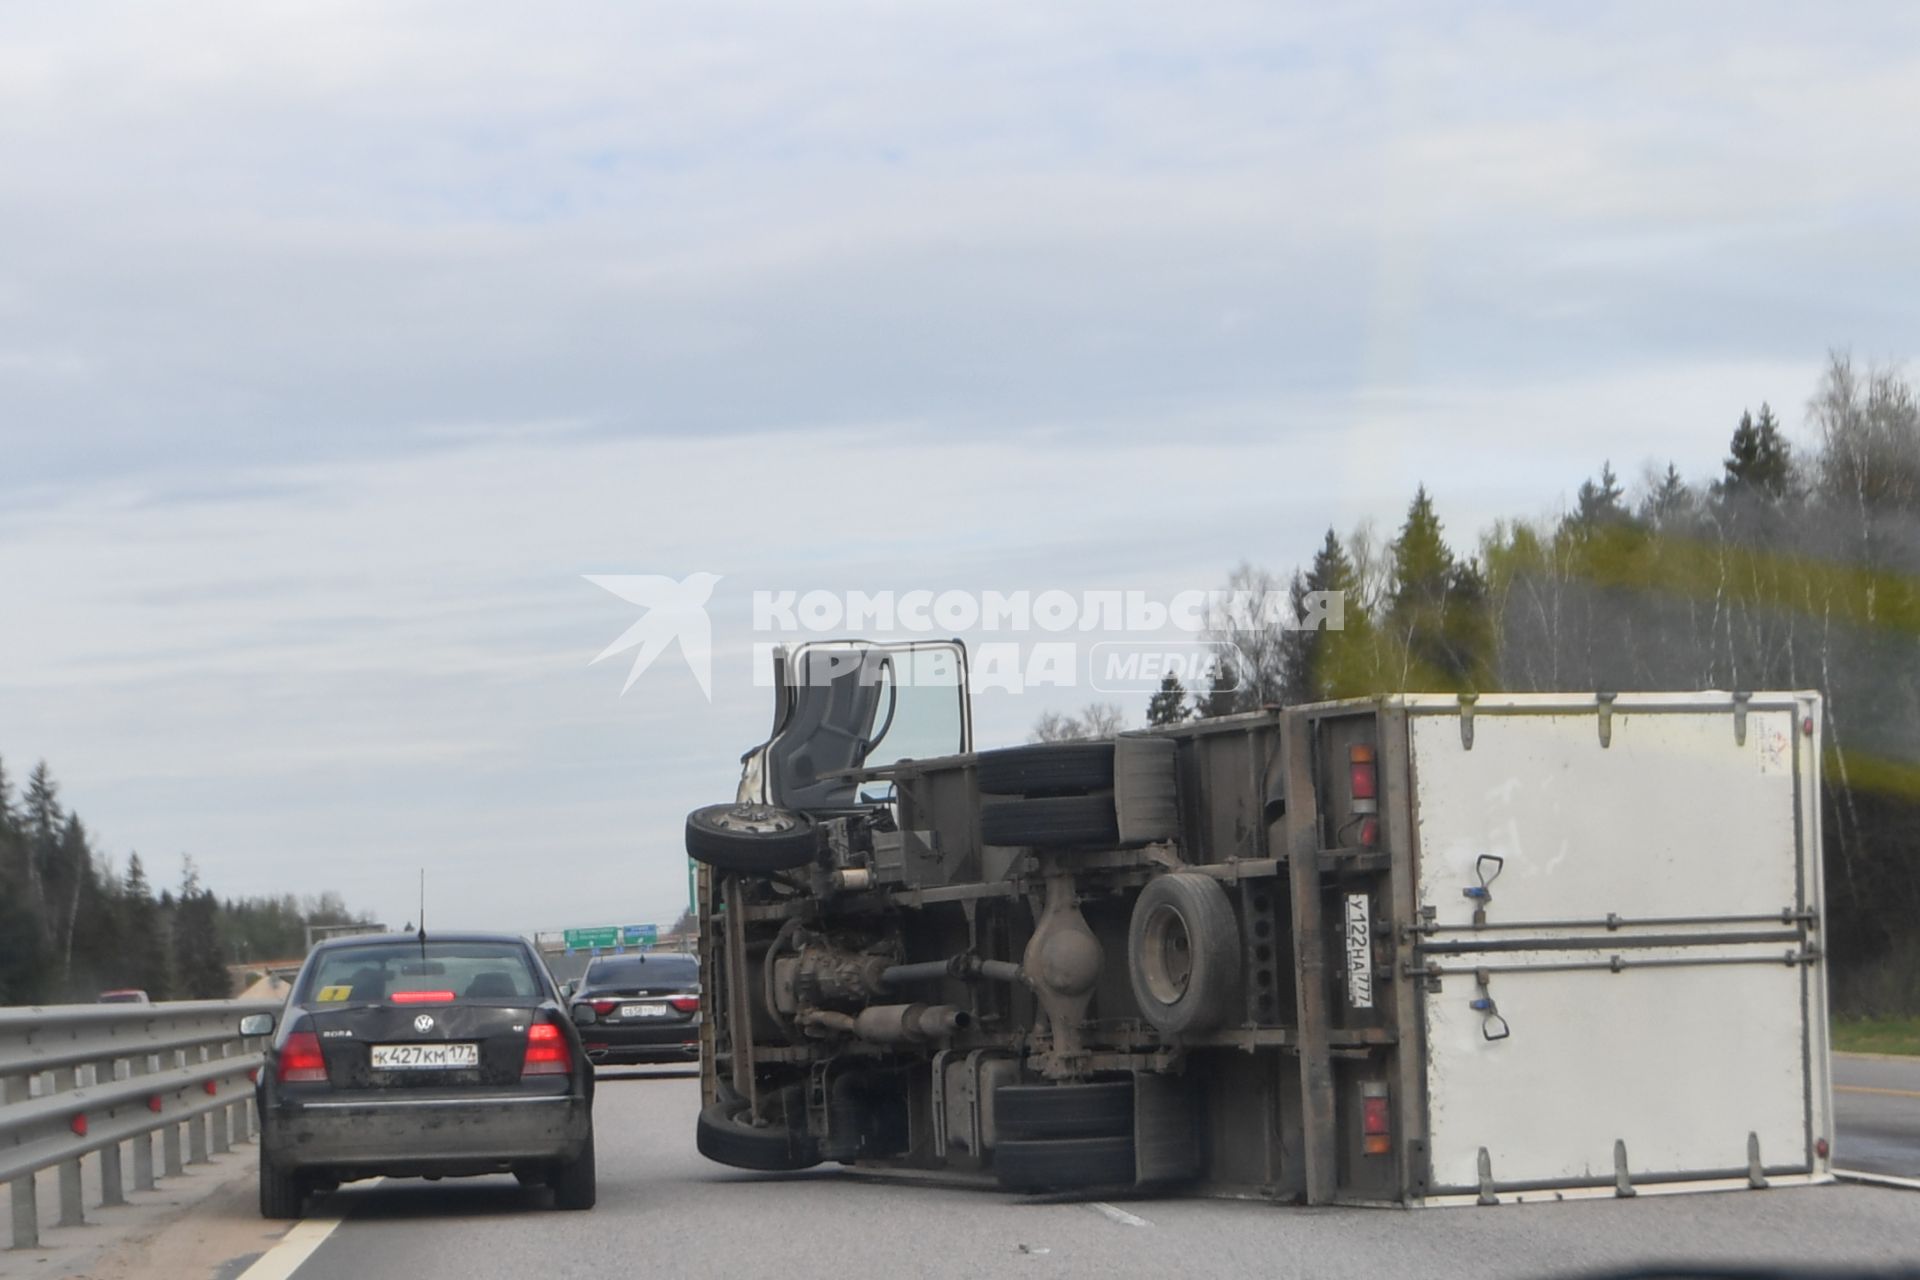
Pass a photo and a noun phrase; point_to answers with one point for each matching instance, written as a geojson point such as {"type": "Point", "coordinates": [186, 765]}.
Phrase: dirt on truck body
{"type": "Point", "coordinates": [1412, 950]}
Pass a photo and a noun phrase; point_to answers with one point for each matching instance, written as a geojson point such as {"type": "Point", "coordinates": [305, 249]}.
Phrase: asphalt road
{"type": "Point", "coordinates": [1876, 1104]}
{"type": "Point", "coordinates": [663, 1209]}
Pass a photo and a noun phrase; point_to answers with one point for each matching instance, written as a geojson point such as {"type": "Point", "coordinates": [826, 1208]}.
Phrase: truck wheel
{"type": "Point", "coordinates": [1037, 1165]}
{"type": "Point", "coordinates": [282, 1194]}
{"type": "Point", "coordinates": [1023, 1112]}
{"type": "Point", "coordinates": [753, 839]}
{"type": "Point", "coordinates": [1045, 769]}
{"type": "Point", "coordinates": [1053, 821]}
{"type": "Point", "coordinates": [1183, 951]}
{"type": "Point", "coordinates": [576, 1183]}
{"type": "Point", "coordinates": [777, 1148]}
{"type": "Point", "coordinates": [1144, 794]}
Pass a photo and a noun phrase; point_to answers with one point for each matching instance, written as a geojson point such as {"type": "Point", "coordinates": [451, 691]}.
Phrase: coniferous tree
{"type": "Point", "coordinates": [1758, 463]}
{"type": "Point", "coordinates": [1437, 608]}
{"type": "Point", "coordinates": [1322, 662]}
{"type": "Point", "coordinates": [1169, 704]}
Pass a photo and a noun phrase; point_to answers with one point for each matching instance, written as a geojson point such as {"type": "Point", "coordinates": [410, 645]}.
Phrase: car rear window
{"type": "Point", "coordinates": [470, 970]}
{"type": "Point", "coordinates": [642, 971]}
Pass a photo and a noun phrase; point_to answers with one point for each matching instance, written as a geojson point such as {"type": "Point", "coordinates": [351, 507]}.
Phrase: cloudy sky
{"type": "Point", "coordinates": [339, 341]}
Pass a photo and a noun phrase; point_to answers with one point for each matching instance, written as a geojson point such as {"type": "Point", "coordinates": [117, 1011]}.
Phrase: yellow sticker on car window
{"type": "Point", "coordinates": [334, 993]}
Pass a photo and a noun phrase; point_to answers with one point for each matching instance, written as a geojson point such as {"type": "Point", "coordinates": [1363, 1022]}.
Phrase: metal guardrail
{"type": "Point", "coordinates": [88, 1080]}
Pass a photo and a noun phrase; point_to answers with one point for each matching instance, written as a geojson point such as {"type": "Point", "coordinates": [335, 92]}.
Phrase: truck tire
{"type": "Point", "coordinates": [752, 839]}
{"type": "Point", "coordinates": [776, 1148]}
{"type": "Point", "coordinates": [1144, 793]}
{"type": "Point", "coordinates": [282, 1194]}
{"type": "Point", "coordinates": [1050, 822]}
{"type": "Point", "coordinates": [1064, 1163]}
{"type": "Point", "coordinates": [1023, 1112]}
{"type": "Point", "coordinates": [1183, 954]}
{"type": "Point", "coordinates": [1045, 769]}
{"type": "Point", "coordinates": [576, 1182]}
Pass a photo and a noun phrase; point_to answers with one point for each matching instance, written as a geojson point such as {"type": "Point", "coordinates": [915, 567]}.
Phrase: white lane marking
{"type": "Point", "coordinates": [299, 1244]}
{"type": "Point", "coordinates": [1877, 1179]}
{"type": "Point", "coordinates": [1113, 1214]}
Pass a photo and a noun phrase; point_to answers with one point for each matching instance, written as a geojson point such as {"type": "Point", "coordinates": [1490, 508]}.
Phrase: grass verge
{"type": "Point", "coordinates": [1877, 1035]}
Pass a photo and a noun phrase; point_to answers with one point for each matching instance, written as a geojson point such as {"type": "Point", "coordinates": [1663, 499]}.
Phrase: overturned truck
{"type": "Point", "coordinates": [1411, 950]}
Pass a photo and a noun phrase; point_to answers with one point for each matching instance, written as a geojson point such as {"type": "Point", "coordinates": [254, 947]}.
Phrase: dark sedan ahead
{"type": "Point", "coordinates": [406, 1056]}
{"type": "Point", "coordinates": [646, 1008]}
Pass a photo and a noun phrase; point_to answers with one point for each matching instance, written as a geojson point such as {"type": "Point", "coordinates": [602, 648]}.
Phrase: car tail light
{"type": "Point", "coordinates": [605, 1007]}
{"type": "Point", "coordinates": [301, 1061]}
{"type": "Point", "coordinates": [547, 1051]}
{"type": "Point", "coordinates": [422, 997]}
{"type": "Point", "coordinates": [1376, 1138]}
{"type": "Point", "coordinates": [685, 1004]}
{"type": "Point", "coordinates": [1362, 780]}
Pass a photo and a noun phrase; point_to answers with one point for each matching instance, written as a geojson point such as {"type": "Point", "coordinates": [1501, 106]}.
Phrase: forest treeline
{"type": "Point", "coordinates": [1796, 566]}
{"type": "Point", "coordinates": [72, 924]}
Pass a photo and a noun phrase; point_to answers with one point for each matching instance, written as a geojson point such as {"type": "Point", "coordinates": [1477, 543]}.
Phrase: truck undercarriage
{"type": "Point", "coordinates": [1399, 951]}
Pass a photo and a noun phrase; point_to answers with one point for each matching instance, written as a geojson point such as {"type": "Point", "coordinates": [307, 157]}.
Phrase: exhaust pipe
{"type": "Point", "coordinates": [910, 1023]}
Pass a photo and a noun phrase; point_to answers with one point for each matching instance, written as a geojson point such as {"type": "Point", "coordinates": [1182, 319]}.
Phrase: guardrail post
{"type": "Point", "coordinates": [111, 1189]}
{"type": "Point", "coordinates": [72, 1211]}
{"type": "Point", "coordinates": [197, 1127]}
{"type": "Point", "coordinates": [220, 1119]}
{"type": "Point", "coordinates": [26, 1213]}
{"type": "Point", "coordinates": [139, 1065]}
{"type": "Point", "coordinates": [170, 1150]}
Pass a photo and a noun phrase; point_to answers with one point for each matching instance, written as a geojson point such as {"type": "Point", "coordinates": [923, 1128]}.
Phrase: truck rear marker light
{"type": "Point", "coordinates": [547, 1052]}
{"type": "Point", "coordinates": [1375, 1129]}
{"type": "Point", "coordinates": [1362, 780]}
{"type": "Point", "coordinates": [301, 1061]}
{"type": "Point", "coordinates": [422, 997]}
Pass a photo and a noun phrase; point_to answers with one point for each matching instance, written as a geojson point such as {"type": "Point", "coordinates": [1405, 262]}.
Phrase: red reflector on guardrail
{"type": "Point", "coordinates": [79, 1124]}
{"type": "Point", "coordinates": [211, 1087]}
{"type": "Point", "coordinates": [153, 1103]}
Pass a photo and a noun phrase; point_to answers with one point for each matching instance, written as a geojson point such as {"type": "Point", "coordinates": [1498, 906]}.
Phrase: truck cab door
{"type": "Point", "coordinates": [846, 704]}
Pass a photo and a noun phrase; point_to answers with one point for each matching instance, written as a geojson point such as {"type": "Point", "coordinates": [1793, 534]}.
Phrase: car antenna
{"type": "Point", "coordinates": [421, 929]}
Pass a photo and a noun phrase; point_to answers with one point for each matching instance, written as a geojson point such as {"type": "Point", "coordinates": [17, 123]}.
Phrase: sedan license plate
{"type": "Point", "coordinates": [425, 1057]}
{"type": "Point", "coordinates": [643, 1011]}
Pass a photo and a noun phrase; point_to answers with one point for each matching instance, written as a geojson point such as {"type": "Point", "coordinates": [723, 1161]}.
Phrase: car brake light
{"type": "Point", "coordinates": [301, 1061]}
{"type": "Point", "coordinates": [1375, 1138]}
{"type": "Point", "coordinates": [422, 997]}
{"type": "Point", "coordinates": [685, 1004]}
{"type": "Point", "coordinates": [605, 1007]}
{"type": "Point", "coordinates": [547, 1052]}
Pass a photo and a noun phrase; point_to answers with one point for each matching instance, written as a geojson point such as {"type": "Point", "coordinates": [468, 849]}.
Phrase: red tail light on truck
{"type": "Point", "coordinates": [1376, 1137]}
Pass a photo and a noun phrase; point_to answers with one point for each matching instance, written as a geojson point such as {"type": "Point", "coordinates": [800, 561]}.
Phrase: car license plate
{"type": "Point", "coordinates": [425, 1057]}
{"type": "Point", "coordinates": [643, 1011]}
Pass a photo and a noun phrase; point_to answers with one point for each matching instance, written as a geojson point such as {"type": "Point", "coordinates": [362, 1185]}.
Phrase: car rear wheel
{"type": "Point", "coordinates": [575, 1183]}
{"type": "Point", "coordinates": [753, 839]}
{"type": "Point", "coordinates": [282, 1194]}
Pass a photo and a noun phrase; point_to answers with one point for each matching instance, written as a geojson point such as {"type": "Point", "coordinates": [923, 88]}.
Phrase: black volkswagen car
{"type": "Point", "coordinates": [646, 1007]}
{"type": "Point", "coordinates": [411, 1056]}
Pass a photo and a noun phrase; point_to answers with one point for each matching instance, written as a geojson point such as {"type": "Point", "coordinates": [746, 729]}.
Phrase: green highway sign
{"type": "Point", "coordinates": [630, 935]}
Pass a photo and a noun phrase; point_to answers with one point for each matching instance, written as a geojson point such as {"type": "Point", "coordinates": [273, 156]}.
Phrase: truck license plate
{"type": "Point", "coordinates": [643, 1011]}
{"type": "Point", "coordinates": [425, 1057]}
{"type": "Point", "coordinates": [1359, 952]}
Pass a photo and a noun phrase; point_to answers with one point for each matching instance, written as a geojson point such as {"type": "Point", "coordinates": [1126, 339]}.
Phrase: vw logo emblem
{"type": "Point", "coordinates": [423, 1023]}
